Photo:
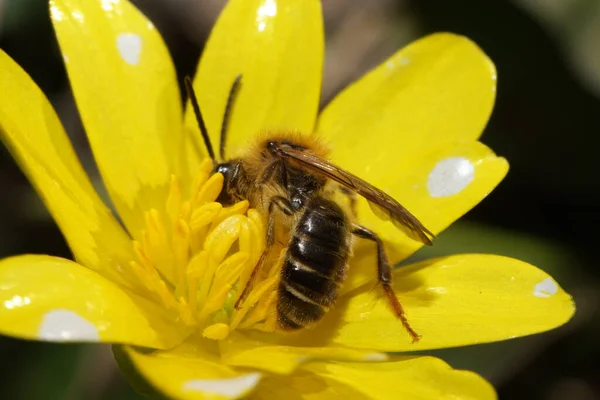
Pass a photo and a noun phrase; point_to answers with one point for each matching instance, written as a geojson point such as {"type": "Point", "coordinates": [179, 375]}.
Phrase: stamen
{"type": "Point", "coordinates": [209, 191]}
{"type": "Point", "coordinates": [224, 278]}
{"type": "Point", "coordinates": [216, 331]}
{"type": "Point", "coordinates": [194, 255]}
{"type": "Point", "coordinates": [181, 245]}
{"type": "Point", "coordinates": [220, 240]}
{"type": "Point", "coordinates": [204, 215]}
{"type": "Point", "coordinates": [173, 205]}
{"type": "Point", "coordinates": [236, 209]}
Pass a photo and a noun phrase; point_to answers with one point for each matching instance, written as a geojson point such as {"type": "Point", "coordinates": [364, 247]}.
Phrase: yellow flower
{"type": "Point", "coordinates": [167, 279]}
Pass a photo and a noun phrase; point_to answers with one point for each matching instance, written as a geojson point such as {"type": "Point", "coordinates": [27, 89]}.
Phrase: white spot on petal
{"type": "Point", "coordinates": [450, 176]}
{"type": "Point", "coordinates": [545, 288]}
{"type": "Point", "coordinates": [65, 325]}
{"type": "Point", "coordinates": [229, 387]}
{"type": "Point", "coordinates": [130, 47]}
{"type": "Point", "coordinates": [375, 357]}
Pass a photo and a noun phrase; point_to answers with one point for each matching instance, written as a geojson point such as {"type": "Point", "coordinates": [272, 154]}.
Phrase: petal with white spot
{"type": "Point", "coordinates": [192, 371]}
{"type": "Point", "coordinates": [424, 184]}
{"type": "Point", "coordinates": [450, 176]}
{"type": "Point", "coordinates": [53, 299]}
{"type": "Point", "coordinates": [130, 47]}
{"type": "Point", "coordinates": [545, 288]}
{"type": "Point", "coordinates": [126, 91]}
{"type": "Point", "coordinates": [229, 387]}
{"type": "Point", "coordinates": [65, 325]}
{"type": "Point", "coordinates": [487, 298]}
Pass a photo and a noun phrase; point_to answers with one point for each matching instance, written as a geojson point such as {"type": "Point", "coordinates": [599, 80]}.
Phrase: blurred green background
{"type": "Point", "coordinates": [546, 122]}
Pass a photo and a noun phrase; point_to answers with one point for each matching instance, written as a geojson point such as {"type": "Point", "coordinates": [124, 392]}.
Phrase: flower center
{"type": "Point", "coordinates": [196, 257]}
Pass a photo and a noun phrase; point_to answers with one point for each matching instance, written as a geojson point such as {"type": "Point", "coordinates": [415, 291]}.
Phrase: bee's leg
{"type": "Point", "coordinates": [268, 173]}
{"type": "Point", "coordinates": [352, 197]}
{"type": "Point", "coordinates": [385, 277]}
{"type": "Point", "coordinates": [282, 204]}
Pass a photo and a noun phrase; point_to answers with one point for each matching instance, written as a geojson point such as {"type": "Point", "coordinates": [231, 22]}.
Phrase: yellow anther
{"type": "Point", "coordinates": [252, 242]}
{"type": "Point", "coordinates": [219, 241]}
{"type": "Point", "coordinates": [206, 282]}
{"type": "Point", "coordinates": [230, 269]}
{"type": "Point", "coordinates": [181, 245]}
{"type": "Point", "coordinates": [204, 215]}
{"type": "Point", "coordinates": [165, 295]}
{"type": "Point", "coordinates": [201, 176]}
{"type": "Point", "coordinates": [185, 312]}
{"type": "Point", "coordinates": [237, 209]}
{"type": "Point", "coordinates": [186, 210]}
{"type": "Point", "coordinates": [143, 275]}
{"type": "Point", "coordinates": [139, 251]}
{"type": "Point", "coordinates": [211, 189]}
{"type": "Point", "coordinates": [225, 277]}
{"type": "Point", "coordinates": [264, 309]}
{"type": "Point", "coordinates": [196, 269]}
{"type": "Point", "coordinates": [257, 292]}
{"type": "Point", "coordinates": [206, 166]}
{"type": "Point", "coordinates": [198, 265]}
{"type": "Point", "coordinates": [218, 331]}
{"type": "Point", "coordinates": [173, 205]}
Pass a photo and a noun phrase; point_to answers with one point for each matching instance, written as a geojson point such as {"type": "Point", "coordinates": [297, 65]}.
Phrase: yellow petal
{"type": "Point", "coordinates": [437, 186]}
{"type": "Point", "coordinates": [406, 378]}
{"type": "Point", "coordinates": [242, 350]}
{"type": "Point", "coordinates": [439, 88]}
{"type": "Point", "coordinates": [277, 47]}
{"type": "Point", "coordinates": [450, 301]}
{"type": "Point", "coordinates": [126, 90]}
{"type": "Point", "coordinates": [192, 371]}
{"type": "Point", "coordinates": [32, 132]}
{"type": "Point", "coordinates": [50, 298]}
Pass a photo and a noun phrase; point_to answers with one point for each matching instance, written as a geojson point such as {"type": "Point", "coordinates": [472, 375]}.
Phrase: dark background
{"type": "Point", "coordinates": [546, 122]}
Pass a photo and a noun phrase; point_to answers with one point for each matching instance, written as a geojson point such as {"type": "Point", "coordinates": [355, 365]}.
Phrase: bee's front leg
{"type": "Point", "coordinates": [282, 204]}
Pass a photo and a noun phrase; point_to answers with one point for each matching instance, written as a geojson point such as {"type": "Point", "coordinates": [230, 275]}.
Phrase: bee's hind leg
{"type": "Point", "coordinates": [282, 204]}
{"type": "Point", "coordinates": [384, 273]}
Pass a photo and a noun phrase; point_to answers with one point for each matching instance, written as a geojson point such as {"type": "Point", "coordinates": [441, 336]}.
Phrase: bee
{"type": "Point", "coordinates": [288, 178]}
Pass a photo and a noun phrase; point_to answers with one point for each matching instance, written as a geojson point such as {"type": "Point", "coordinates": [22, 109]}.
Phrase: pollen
{"type": "Point", "coordinates": [195, 257]}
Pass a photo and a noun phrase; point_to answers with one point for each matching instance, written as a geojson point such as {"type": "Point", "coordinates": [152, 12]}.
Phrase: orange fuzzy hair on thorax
{"type": "Point", "coordinates": [256, 154]}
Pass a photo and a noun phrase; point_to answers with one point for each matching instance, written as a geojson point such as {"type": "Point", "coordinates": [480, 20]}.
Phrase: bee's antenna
{"type": "Point", "coordinates": [232, 93]}
{"type": "Point", "coordinates": [192, 96]}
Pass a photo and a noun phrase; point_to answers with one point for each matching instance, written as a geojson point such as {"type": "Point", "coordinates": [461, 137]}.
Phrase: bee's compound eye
{"type": "Point", "coordinates": [224, 169]}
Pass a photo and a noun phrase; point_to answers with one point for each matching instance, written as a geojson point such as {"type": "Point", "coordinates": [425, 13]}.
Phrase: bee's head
{"type": "Point", "coordinates": [226, 169]}
{"type": "Point", "coordinates": [230, 171]}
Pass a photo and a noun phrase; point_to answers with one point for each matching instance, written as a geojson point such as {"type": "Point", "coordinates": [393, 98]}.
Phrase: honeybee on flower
{"type": "Point", "coordinates": [168, 278]}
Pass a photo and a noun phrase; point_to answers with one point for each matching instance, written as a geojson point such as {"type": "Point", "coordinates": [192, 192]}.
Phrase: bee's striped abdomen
{"type": "Point", "coordinates": [314, 265]}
